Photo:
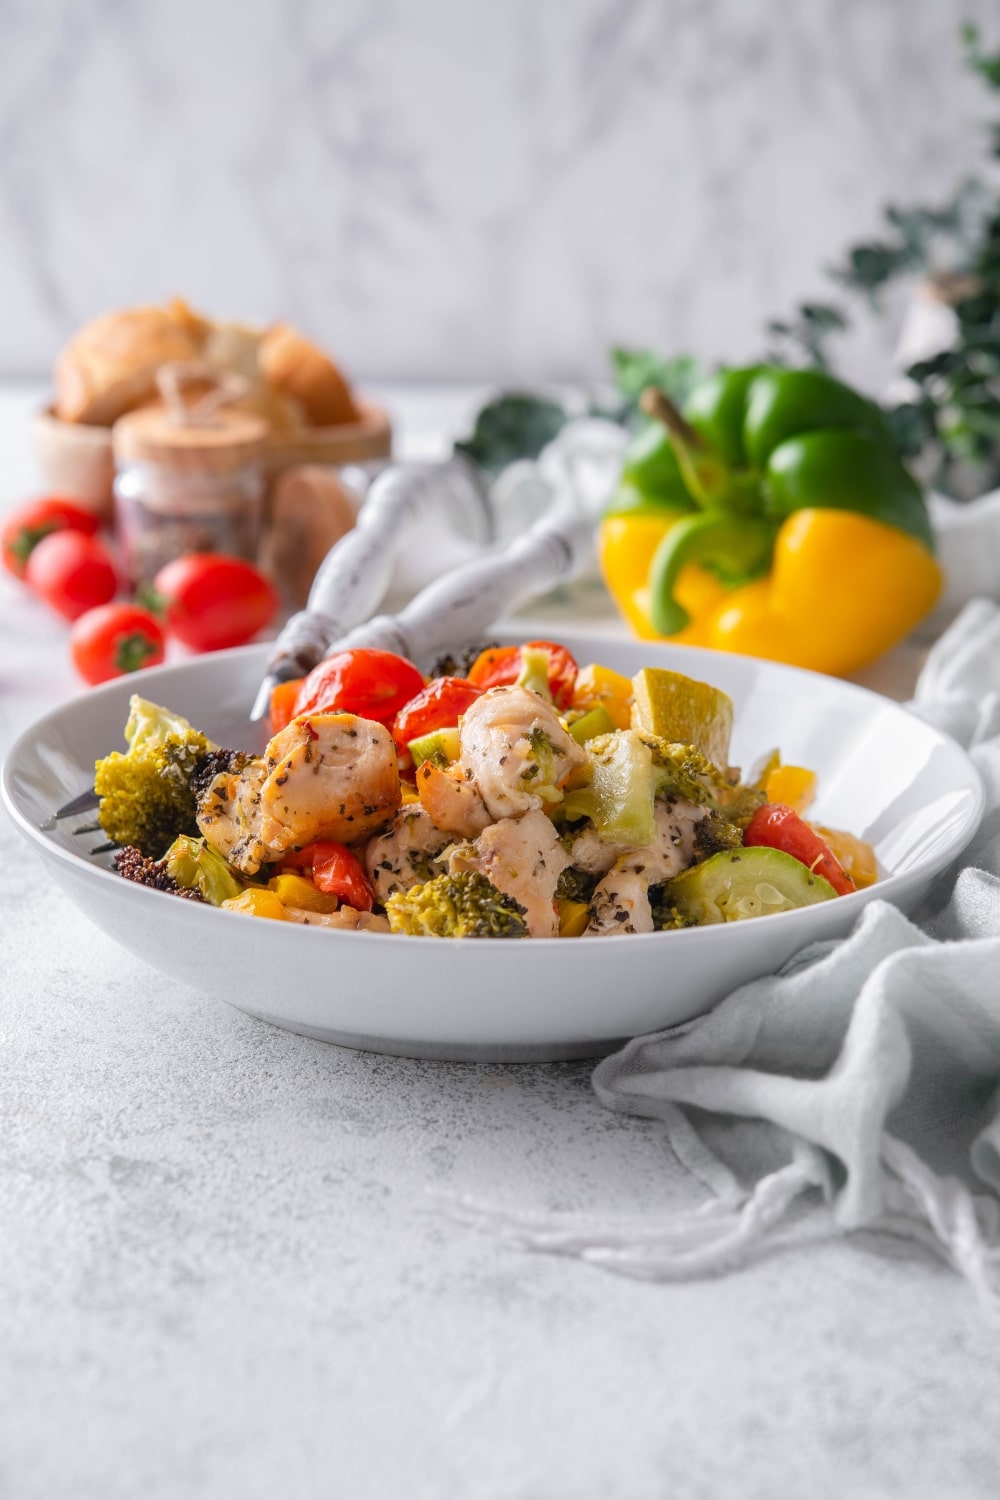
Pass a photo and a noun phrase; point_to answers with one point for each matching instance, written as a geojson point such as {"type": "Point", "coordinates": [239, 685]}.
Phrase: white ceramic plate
{"type": "Point", "coordinates": [883, 775]}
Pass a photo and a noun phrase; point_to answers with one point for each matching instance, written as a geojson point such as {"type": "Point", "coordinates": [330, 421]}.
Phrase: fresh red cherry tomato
{"type": "Point", "coordinates": [25, 526]}
{"type": "Point", "coordinates": [498, 666]}
{"type": "Point", "coordinates": [775, 826]}
{"type": "Point", "coordinates": [72, 572]}
{"type": "Point", "coordinates": [439, 706]}
{"type": "Point", "coordinates": [210, 601]}
{"type": "Point", "coordinates": [371, 684]}
{"type": "Point", "coordinates": [335, 870]}
{"type": "Point", "coordinates": [114, 639]}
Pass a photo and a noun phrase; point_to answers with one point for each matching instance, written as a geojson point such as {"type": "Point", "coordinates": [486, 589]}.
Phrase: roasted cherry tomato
{"type": "Point", "coordinates": [283, 703]}
{"type": "Point", "coordinates": [210, 601]}
{"type": "Point", "coordinates": [775, 826]}
{"type": "Point", "coordinates": [334, 870]}
{"type": "Point", "coordinates": [72, 572]}
{"type": "Point", "coordinates": [371, 684]}
{"type": "Point", "coordinates": [498, 666]}
{"type": "Point", "coordinates": [439, 706]}
{"type": "Point", "coordinates": [114, 639]}
{"type": "Point", "coordinates": [24, 528]}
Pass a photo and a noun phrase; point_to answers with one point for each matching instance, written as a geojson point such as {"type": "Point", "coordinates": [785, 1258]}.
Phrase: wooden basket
{"type": "Point", "coordinates": [76, 460]}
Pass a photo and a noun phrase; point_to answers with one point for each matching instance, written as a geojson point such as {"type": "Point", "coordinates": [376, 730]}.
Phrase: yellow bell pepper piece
{"type": "Point", "coordinates": [574, 918]}
{"type": "Point", "coordinates": [842, 590]}
{"type": "Point", "coordinates": [599, 687]}
{"type": "Point", "coordinates": [296, 890]}
{"type": "Point", "coordinates": [257, 901]}
{"type": "Point", "coordinates": [792, 785]}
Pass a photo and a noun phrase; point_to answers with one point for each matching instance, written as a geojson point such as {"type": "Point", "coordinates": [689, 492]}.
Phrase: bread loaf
{"type": "Point", "coordinates": [294, 366]}
{"type": "Point", "coordinates": [109, 367]}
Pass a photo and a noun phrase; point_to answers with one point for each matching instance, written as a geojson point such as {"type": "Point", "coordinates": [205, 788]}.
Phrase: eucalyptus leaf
{"type": "Point", "coordinates": [515, 425]}
{"type": "Point", "coordinates": [635, 369]}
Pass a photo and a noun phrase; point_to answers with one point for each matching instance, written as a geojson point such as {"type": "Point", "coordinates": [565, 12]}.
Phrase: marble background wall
{"type": "Point", "coordinates": [490, 189]}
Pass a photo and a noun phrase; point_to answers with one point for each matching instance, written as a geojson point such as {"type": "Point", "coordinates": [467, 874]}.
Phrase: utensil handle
{"type": "Point", "coordinates": [353, 577]}
{"type": "Point", "coordinates": [458, 608]}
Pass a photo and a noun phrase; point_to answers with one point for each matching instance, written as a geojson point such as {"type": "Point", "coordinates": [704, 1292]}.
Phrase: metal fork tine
{"type": "Point", "coordinates": [87, 828]}
{"type": "Point", "coordinates": [102, 849]}
{"type": "Point", "coordinates": [85, 802]}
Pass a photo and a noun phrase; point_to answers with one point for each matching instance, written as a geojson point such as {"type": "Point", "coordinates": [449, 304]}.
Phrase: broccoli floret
{"type": "Point", "coordinates": [666, 917]}
{"type": "Point", "coordinates": [196, 866]}
{"type": "Point", "coordinates": [713, 833]}
{"type": "Point", "coordinates": [744, 802]}
{"type": "Point", "coordinates": [146, 795]}
{"type": "Point", "coordinates": [148, 723]}
{"type": "Point", "coordinates": [682, 771]}
{"type": "Point", "coordinates": [457, 906]}
{"type": "Point", "coordinates": [133, 865]}
{"type": "Point", "coordinates": [539, 767]}
{"type": "Point", "coordinates": [576, 885]}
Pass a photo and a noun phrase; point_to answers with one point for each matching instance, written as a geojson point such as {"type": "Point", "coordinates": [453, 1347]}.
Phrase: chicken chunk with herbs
{"type": "Point", "coordinates": [620, 903]}
{"type": "Point", "coordinates": [523, 858]}
{"type": "Point", "coordinates": [229, 816]}
{"type": "Point", "coordinates": [451, 801]}
{"type": "Point", "coordinates": [515, 751]}
{"type": "Point", "coordinates": [404, 855]}
{"type": "Point", "coordinates": [326, 776]}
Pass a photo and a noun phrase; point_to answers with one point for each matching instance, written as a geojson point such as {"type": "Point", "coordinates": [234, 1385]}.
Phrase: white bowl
{"type": "Point", "coordinates": [883, 774]}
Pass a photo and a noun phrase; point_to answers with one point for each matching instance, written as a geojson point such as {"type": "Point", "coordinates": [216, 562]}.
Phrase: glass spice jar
{"type": "Point", "coordinates": [187, 484]}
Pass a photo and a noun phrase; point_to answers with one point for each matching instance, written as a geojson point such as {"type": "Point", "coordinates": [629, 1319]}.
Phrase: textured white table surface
{"type": "Point", "coordinates": [223, 1272]}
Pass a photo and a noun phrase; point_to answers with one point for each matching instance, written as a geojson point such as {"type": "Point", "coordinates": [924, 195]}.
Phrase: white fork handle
{"type": "Point", "coordinates": [458, 608]}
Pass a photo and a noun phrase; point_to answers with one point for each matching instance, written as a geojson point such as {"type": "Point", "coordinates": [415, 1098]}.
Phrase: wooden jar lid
{"type": "Point", "coordinates": [227, 441]}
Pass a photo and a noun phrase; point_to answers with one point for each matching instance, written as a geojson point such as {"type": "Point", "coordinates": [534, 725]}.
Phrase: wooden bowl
{"type": "Point", "coordinates": [76, 460]}
{"type": "Point", "coordinates": [348, 443]}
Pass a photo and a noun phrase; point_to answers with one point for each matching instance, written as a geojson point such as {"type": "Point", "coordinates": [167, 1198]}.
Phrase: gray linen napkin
{"type": "Point", "coordinates": [867, 1070]}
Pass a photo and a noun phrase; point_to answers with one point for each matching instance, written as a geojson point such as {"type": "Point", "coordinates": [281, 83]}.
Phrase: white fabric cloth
{"type": "Point", "coordinates": [867, 1071]}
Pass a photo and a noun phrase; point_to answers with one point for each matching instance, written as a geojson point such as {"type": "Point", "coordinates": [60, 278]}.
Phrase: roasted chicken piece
{"type": "Point", "coordinates": [404, 855]}
{"type": "Point", "coordinates": [229, 816]}
{"type": "Point", "coordinates": [592, 854]}
{"type": "Point", "coordinates": [325, 776]}
{"type": "Point", "coordinates": [523, 858]}
{"type": "Point", "coordinates": [344, 919]}
{"type": "Point", "coordinates": [515, 752]}
{"type": "Point", "coordinates": [620, 903]}
{"type": "Point", "coordinates": [451, 801]}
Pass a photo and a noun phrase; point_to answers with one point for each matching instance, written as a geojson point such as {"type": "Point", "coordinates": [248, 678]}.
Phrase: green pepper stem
{"type": "Point", "coordinates": [741, 544]}
{"type": "Point", "coordinates": [656, 404]}
{"type": "Point", "coordinates": [710, 481]}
